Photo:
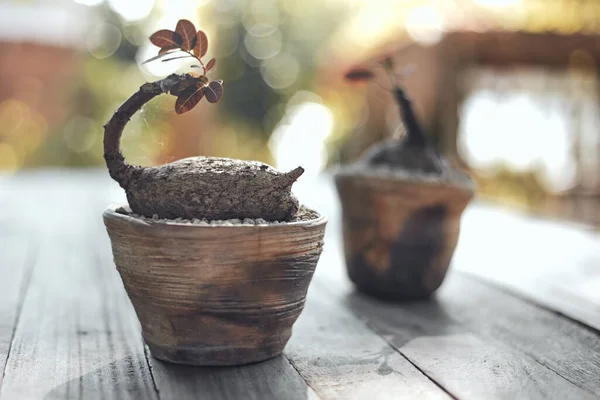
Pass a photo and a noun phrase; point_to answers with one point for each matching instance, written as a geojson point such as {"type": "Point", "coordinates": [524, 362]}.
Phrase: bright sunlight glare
{"type": "Point", "coordinates": [424, 25]}
{"type": "Point", "coordinates": [299, 139]}
{"type": "Point", "coordinates": [519, 133]}
{"type": "Point", "coordinates": [132, 10]}
{"type": "Point", "coordinates": [157, 68]}
{"type": "Point", "coordinates": [90, 3]}
{"type": "Point", "coordinates": [497, 3]}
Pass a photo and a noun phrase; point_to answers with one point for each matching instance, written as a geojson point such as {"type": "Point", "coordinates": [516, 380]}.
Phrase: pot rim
{"type": "Point", "coordinates": [111, 213]}
{"type": "Point", "coordinates": [374, 174]}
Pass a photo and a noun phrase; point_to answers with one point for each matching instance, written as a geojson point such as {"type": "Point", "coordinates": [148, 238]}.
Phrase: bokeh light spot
{"type": "Point", "coordinates": [103, 40]}
{"type": "Point", "coordinates": [264, 47]}
{"type": "Point", "coordinates": [280, 71]}
{"type": "Point", "coordinates": [260, 12]}
{"type": "Point", "coordinates": [9, 157]}
{"type": "Point", "coordinates": [77, 134]}
{"type": "Point", "coordinates": [12, 114]}
{"type": "Point", "coordinates": [262, 29]}
{"type": "Point", "coordinates": [33, 132]}
{"type": "Point", "coordinates": [424, 25]}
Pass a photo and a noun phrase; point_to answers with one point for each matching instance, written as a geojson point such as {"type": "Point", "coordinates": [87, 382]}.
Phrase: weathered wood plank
{"type": "Point", "coordinates": [562, 345]}
{"type": "Point", "coordinates": [553, 357]}
{"type": "Point", "coordinates": [341, 358]}
{"type": "Point", "coordinates": [77, 336]}
{"type": "Point", "coordinates": [49, 366]}
{"type": "Point", "coordinates": [555, 264]}
{"type": "Point", "coordinates": [473, 368]}
{"type": "Point", "coordinates": [269, 380]}
{"type": "Point", "coordinates": [16, 259]}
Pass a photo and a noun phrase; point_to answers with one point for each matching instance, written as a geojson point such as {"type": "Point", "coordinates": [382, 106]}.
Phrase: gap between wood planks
{"type": "Point", "coordinates": [438, 384]}
{"type": "Point", "coordinates": [25, 272]}
{"type": "Point", "coordinates": [297, 371]}
{"type": "Point", "coordinates": [529, 299]}
{"type": "Point", "coordinates": [521, 297]}
{"type": "Point", "coordinates": [150, 368]}
{"type": "Point", "coordinates": [75, 335]}
{"type": "Point", "coordinates": [340, 357]}
{"type": "Point", "coordinates": [336, 297]}
{"type": "Point", "coordinates": [455, 322]}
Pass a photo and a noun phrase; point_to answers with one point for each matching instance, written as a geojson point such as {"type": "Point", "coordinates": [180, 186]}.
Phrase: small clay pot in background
{"type": "Point", "coordinates": [400, 228]}
{"type": "Point", "coordinates": [401, 206]}
{"type": "Point", "coordinates": [215, 295]}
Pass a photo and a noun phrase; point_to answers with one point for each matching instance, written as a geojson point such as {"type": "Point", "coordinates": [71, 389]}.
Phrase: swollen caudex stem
{"type": "Point", "coordinates": [197, 187]}
{"type": "Point", "coordinates": [413, 152]}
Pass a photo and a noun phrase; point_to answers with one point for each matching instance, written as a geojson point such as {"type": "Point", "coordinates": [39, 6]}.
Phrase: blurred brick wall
{"type": "Point", "coordinates": [38, 75]}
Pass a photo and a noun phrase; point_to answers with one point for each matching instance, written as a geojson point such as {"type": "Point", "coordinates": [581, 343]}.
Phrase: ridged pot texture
{"type": "Point", "coordinates": [215, 295]}
{"type": "Point", "coordinates": [399, 234]}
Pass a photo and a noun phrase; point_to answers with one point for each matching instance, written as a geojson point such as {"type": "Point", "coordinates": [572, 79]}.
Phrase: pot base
{"type": "Point", "coordinates": [201, 356]}
{"type": "Point", "coordinates": [379, 294]}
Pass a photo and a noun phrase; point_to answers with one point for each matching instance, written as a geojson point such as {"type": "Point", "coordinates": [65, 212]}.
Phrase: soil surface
{"type": "Point", "coordinates": [397, 159]}
{"type": "Point", "coordinates": [303, 214]}
{"type": "Point", "coordinates": [402, 154]}
{"type": "Point", "coordinates": [449, 175]}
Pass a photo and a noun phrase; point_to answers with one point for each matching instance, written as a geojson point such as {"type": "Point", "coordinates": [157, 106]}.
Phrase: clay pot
{"type": "Point", "coordinates": [215, 295]}
{"type": "Point", "coordinates": [400, 232]}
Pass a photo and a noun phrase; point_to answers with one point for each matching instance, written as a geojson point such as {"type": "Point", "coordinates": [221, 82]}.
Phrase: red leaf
{"type": "Point", "coordinates": [214, 91]}
{"type": "Point", "coordinates": [187, 31]}
{"type": "Point", "coordinates": [181, 86]}
{"type": "Point", "coordinates": [188, 98]}
{"type": "Point", "coordinates": [166, 38]}
{"type": "Point", "coordinates": [359, 75]}
{"type": "Point", "coordinates": [210, 64]}
{"type": "Point", "coordinates": [166, 50]}
{"type": "Point", "coordinates": [201, 44]}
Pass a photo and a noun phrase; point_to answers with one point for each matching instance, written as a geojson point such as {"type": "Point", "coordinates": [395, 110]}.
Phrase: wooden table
{"type": "Point", "coordinates": [517, 318]}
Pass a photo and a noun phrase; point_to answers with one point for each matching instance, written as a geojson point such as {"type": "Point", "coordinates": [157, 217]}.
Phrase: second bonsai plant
{"type": "Point", "coordinates": [401, 209]}
{"type": "Point", "coordinates": [216, 254]}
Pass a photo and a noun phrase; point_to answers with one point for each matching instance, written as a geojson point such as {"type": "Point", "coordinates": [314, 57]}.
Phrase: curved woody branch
{"type": "Point", "coordinates": [118, 168]}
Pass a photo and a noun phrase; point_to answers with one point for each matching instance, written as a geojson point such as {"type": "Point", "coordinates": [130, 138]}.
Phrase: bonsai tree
{"type": "Point", "coordinates": [400, 222]}
{"type": "Point", "coordinates": [413, 152]}
{"type": "Point", "coordinates": [197, 187]}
